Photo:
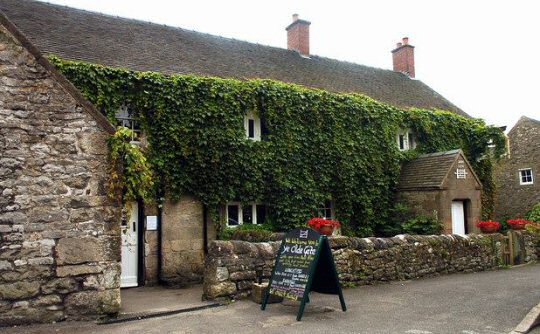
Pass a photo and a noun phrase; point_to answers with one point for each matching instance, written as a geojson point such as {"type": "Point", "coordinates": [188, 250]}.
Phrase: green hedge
{"type": "Point", "coordinates": [319, 145]}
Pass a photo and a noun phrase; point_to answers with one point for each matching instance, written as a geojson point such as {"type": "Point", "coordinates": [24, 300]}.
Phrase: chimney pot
{"type": "Point", "coordinates": [298, 35]}
{"type": "Point", "coordinates": [403, 57]}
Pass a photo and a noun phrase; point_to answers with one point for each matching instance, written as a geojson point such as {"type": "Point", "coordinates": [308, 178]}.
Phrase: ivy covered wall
{"type": "Point", "coordinates": [316, 145]}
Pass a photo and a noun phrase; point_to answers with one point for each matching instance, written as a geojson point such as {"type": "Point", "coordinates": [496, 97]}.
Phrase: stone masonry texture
{"type": "Point", "coordinates": [182, 248]}
{"type": "Point", "coordinates": [233, 266]}
{"type": "Point", "coordinates": [59, 237]}
{"type": "Point", "coordinates": [513, 200]}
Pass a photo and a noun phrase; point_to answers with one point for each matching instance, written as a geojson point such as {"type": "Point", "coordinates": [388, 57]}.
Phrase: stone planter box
{"type": "Point", "coordinates": [258, 291]}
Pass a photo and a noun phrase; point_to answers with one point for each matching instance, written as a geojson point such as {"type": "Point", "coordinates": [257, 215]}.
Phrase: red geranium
{"type": "Point", "coordinates": [519, 221]}
{"type": "Point", "coordinates": [488, 224]}
{"type": "Point", "coordinates": [317, 222]}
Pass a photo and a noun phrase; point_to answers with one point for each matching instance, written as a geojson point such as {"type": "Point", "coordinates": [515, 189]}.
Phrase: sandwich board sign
{"type": "Point", "coordinates": [304, 264]}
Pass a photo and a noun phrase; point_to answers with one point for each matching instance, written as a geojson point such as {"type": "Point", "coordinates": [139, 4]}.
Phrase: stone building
{"type": "Point", "coordinates": [63, 243]}
{"type": "Point", "coordinates": [443, 186]}
{"type": "Point", "coordinates": [59, 232]}
{"type": "Point", "coordinates": [518, 187]}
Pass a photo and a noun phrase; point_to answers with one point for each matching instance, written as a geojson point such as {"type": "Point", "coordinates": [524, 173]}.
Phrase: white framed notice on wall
{"type": "Point", "coordinates": [151, 223]}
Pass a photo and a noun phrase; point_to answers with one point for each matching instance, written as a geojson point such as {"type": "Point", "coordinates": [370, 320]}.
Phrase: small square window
{"type": "Point", "coordinates": [326, 210]}
{"type": "Point", "coordinates": [405, 140]}
{"type": "Point", "coordinates": [461, 173]}
{"type": "Point", "coordinates": [526, 176]}
{"type": "Point", "coordinates": [125, 117]}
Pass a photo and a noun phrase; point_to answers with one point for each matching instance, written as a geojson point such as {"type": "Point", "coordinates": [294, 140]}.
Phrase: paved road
{"type": "Point", "coordinates": [488, 302]}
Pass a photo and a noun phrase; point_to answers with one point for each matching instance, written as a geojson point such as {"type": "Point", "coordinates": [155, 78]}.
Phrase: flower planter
{"type": "Point", "coordinates": [517, 226]}
{"type": "Point", "coordinates": [489, 229]}
{"type": "Point", "coordinates": [327, 229]}
{"type": "Point", "coordinates": [488, 226]}
{"type": "Point", "coordinates": [322, 225]}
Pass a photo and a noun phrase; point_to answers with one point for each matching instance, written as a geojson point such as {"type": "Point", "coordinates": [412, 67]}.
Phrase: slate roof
{"type": "Point", "coordinates": [119, 42]}
{"type": "Point", "coordinates": [427, 171]}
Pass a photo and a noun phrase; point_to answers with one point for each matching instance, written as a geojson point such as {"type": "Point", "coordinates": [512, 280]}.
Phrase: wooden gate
{"type": "Point", "coordinates": [513, 249]}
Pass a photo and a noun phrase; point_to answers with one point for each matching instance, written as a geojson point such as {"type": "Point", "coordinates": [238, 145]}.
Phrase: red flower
{"type": "Point", "coordinates": [519, 221]}
{"type": "Point", "coordinates": [487, 224]}
{"type": "Point", "coordinates": [317, 222]}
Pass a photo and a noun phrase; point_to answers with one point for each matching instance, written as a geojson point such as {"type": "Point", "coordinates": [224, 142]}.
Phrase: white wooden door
{"type": "Point", "coordinates": [458, 218]}
{"type": "Point", "coordinates": [128, 278]}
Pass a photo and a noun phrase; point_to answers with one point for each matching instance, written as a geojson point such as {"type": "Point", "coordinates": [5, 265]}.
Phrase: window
{"type": "Point", "coordinates": [124, 117]}
{"type": "Point", "coordinates": [405, 140]}
{"type": "Point", "coordinates": [461, 173]}
{"type": "Point", "coordinates": [251, 128]}
{"type": "Point", "coordinates": [238, 214]}
{"type": "Point", "coordinates": [252, 125]}
{"type": "Point", "coordinates": [325, 210]}
{"type": "Point", "coordinates": [526, 176]}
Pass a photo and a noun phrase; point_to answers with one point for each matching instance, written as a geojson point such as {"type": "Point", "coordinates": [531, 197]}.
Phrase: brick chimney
{"type": "Point", "coordinates": [298, 35]}
{"type": "Point", "coordinates": [403, 57]}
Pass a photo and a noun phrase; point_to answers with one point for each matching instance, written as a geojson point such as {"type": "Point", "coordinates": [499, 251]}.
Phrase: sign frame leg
{"type": "Point", "coordinates": [342, 301]}
{"type": "Point", "coordinates": [302, 307]}
{"type": "Point", "coordinates": [265, 299]}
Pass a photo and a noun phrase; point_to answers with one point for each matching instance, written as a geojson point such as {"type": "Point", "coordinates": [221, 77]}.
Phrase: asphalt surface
{"type": "Point", "coordinates": [487, 302]}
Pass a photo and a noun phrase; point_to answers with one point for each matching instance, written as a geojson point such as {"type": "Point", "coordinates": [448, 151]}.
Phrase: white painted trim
{"type": "Point", "coordinates": [257, 126]}
{"type": "Point", "coordinates": [240, 215]}
{"type": "Point", "coordinates": [521, 177]}
{"type": "Point", "coordinates": [130, 249]}
{"type": "Point", "coordinates": [458, 217]}
{"type": "Point", "coordinates": [407, 143]}
{"type": "Point", "coordinates": [324, 207]}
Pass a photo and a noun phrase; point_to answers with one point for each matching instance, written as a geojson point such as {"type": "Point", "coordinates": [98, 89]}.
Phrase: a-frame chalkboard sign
{"type": "Point", "coordinates": [304, 264]}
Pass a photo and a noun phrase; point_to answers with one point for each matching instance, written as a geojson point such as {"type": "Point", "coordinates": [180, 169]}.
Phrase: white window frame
{"type": "Point", "coordinates": [520, 173]}
{"type": "Point", "coordinates": [124, 118]}
{"type": "Point", "coordinates": [323, 207]}
{"type": "Point", "coordinates": [256, 126]}
{"type": "Point", "coordinates": [409, 141]}
{"type": "Point", "coordinates": [461, 173]}
{"type": "Point", "coordinates": [240, 213]}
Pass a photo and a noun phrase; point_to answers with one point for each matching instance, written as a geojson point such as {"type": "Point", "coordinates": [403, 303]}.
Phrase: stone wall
{"type": "Point", "coordinates": [233, 266]}
{"type": "Point", "coordinates": [150, 249]}
{"type": "Point", "coordinates": [59, 248]}
{"type": "Point", "coordinates": [182, 247]}
{"type": "Point", "coordinates": [513, 199]}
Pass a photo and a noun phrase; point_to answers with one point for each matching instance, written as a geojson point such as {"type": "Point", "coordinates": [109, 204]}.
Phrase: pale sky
{"type": "Point", "coordinates": [484, 56]}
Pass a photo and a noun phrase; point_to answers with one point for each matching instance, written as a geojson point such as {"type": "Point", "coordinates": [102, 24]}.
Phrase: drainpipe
{"type": "Point", "coordinates": [160, 237]}
{"type": "Point", "coordinates": [205, 229]}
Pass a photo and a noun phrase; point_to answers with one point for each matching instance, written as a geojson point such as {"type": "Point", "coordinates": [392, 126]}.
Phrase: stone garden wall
{"type": "Point", "coordinates": [59, 232]}
{"type": "Point", "coordinates": [233, 266]}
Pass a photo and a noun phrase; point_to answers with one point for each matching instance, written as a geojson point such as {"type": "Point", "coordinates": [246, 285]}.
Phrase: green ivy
{"type": "Point", "coordinates": [317, 145]}
{"type": "Point", "coordinates": [534, 213]}
{"type": "Point", "coordinates": [130, 176]}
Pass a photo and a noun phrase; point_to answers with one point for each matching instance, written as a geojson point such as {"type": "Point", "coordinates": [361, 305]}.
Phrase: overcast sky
{"type": "Point", "coordinates": [484, 56]}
